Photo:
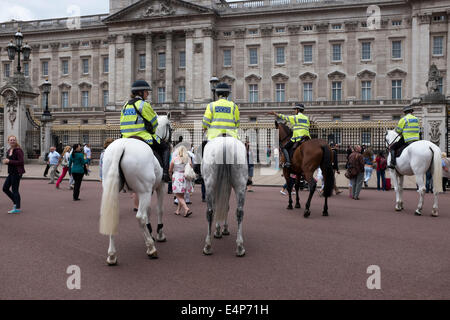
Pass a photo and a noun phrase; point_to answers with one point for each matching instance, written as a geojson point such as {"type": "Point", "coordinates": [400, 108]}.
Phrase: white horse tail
{"type": "Point", "coordinates": [109, 212]}
{"type": "Point", "coordinates": [222, 192]}
{"type": "Point", "coordinates": [437, 169]}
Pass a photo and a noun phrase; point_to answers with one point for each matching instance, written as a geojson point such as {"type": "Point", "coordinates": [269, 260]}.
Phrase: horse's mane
{"type": "Point", "coordinates": [285, 127]}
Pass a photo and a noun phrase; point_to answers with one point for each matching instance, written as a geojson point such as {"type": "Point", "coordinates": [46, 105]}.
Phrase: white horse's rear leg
{"type": "Point", "coordinates": [143, 219]}
{"type": "Point", "coordinates": [222, 232]}
{"type": "Point", "coordinates": [160, 236]}
{"type": "Point", "coordinates": [395, 181]}
{"type": "Point", "coordinates": [112, 256]}
{"type": "Point", "coordinates": [421, 185]}
{"type": "Point", "coordinates": [401, 179]}
{"type": "Point", "coordinates": [207, 249]}
{"type": "Point", "coordinates": [240, 250]}
{"type": "Point", "coordinates": [435, 211]}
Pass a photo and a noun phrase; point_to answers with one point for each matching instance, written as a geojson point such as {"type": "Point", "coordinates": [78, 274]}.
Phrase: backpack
{"type": "Point", "coordinates": [383, 164]}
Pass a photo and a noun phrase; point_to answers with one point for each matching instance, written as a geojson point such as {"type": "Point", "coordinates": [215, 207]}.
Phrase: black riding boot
{"type": "Point", "coordinates": [166, 160]}
{"type": "Point", "coordinates": [393, 160]}
{"type": "Point", "coordinates": [287, 163]}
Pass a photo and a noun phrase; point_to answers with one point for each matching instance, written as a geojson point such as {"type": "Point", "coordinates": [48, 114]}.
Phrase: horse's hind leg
{"type": "Point", "coordinates": [325, 208]}
{"type": "Point", "coordinates": [240, 250]}
{"type": "Point", "coordinates": [435, 211]}
{"type": "Point", "coordinates": [312, 187]}
{"type": "Point", "coordinates": [160, 236]}
{"type": "Point", "coordinates": [289, 190]}
{"type": "Point", "coordinates": [142, 216]}
{"type": "Point", "coordinates": [112, 256]}
{"type": "Point", "coordinates": [297, 198]}
{"type": "Point", "coordinates": [207, 249]}
{"type": "Point", "coordinates": [421, 191]}
{"type": "Point", "coordinates": [225, 231]}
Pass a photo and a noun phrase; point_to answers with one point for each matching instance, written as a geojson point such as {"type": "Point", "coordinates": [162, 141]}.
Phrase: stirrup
{"type": "Point", "coordinates": [286, 165]}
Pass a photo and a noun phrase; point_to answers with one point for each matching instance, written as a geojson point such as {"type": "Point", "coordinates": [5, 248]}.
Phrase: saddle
{"type": "Point", "coordinates": [399, 151]}
{"type": "Point", "coordinates": [297, 144]}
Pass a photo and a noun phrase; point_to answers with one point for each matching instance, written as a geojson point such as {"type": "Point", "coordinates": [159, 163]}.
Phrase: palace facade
{"type": "Point", "coordinates": [346, 60]}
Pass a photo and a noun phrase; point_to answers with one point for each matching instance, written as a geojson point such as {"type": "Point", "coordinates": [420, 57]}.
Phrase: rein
{"type": "Point", "coordinates": [287, 137]}
{"type": "Point", "coordinates": [393, 141]}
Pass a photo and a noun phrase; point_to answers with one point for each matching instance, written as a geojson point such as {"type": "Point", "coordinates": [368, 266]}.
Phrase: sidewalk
{"type": "Point", "coordinates": [263, 176]}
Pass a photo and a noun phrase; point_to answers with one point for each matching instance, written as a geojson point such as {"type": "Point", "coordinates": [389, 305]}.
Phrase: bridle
{"type": "Point", "coordinates": [286, 138]}
{"type": "Point", "coordinates": [393, 141]}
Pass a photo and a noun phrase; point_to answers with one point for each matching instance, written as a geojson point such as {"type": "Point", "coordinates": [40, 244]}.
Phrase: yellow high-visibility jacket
{"type": "Point", "coordinates": [300, 124]}
{"type": "Point", "coordinates": [131, 124]}
{"type": "Point", "coordinates": [221, 116]}
{"type": "Point", "coordinates": [408, 126]}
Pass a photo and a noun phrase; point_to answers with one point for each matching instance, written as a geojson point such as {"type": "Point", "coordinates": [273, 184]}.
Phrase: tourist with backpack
{"type": "Point", "coordinates": [381, 170]}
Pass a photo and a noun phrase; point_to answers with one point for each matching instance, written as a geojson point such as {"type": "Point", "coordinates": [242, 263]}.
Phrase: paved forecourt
{"type": "Point", "coordinates": [288, 256]}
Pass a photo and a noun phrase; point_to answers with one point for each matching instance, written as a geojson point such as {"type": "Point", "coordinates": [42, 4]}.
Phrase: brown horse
{"type": "Point", "coordinates": [307, 158]}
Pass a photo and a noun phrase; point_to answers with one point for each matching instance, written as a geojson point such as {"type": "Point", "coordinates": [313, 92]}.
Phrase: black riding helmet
{"type": "Point", "coordinates": [407, 109]}
{"type": "Point", "coordinates": [300, 107]}
{"type": "Point", "coordinates": [222, 89]}
{"type": "Point", "coordinates": [140, 85]}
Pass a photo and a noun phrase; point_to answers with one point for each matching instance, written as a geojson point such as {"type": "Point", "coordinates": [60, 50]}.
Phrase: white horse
{"type": "Point", "coordinates": [224, 166]}
{"type": "Point", "coordinates": [132, 162]}
{"type": "Point", "coordinates": [415, 160]}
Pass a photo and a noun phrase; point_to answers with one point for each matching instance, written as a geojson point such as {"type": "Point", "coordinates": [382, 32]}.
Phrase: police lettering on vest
{"type": "Point", "coordinates": [300, 125]}
{"type": "Point", "coordinates": [131, 124]}
{"type": "Point", "coordinates": [221, 116]}
{"type": "Point", "coordinates": [408, 126]}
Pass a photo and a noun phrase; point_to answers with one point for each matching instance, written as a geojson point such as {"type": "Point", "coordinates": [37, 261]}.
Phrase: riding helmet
{"type": "Point", "coordinates": [222, 87]}
{"type": "Point", "coordinates": [300, 107]}
{"type": "Point", "coordinates": [140, 85]}
{"type": "Point", "coordinates": [408, 108]}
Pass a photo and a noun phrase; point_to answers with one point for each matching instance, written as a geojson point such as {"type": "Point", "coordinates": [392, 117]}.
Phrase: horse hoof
{"type": "Point", "coordinates": [434, 213]}
{"type": "Point", "coordinates": [289, 207]}
{"type": "Point", "coordinates": [111, 260]}
{"type": "Point", "coordinates": [325, 214]}
{"type": "Point", "coordinates": [207, 250]}
{"type": "Point", "coordinates": [298, 206]}
{"type": "Point", "coordinates": [218, 235]}
{"type": "Point", "coordinates": [240, 251]}
{"type": "Point", "coordinates": [398, 209]}
{"type": "Point", "coordinates": [307, 213]}
{"type": "Point", "coordinates": [418, 213]}
{"type": "Point", "coordinates": [161, 238]}
{"type": "Point", "coordinates": [152, 254]}
{"type": "Point", "coordinates": [226, 233]}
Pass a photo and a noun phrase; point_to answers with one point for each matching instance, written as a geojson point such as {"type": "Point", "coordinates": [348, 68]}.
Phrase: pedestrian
{"type": "Point", "coordinates": [180, 185]}
{"type": "Point", "coordinates": [251, 167]}
{"type": "Point", "coordinates": [276, 158]}
{"type": "Point", "coordinates": [88, 155]}
{"type": "Point", "coordinates": [349, 152]}
{"type": "Point", "coordinates": [187, 195]}
{"type": "Point", "coordinates": [429, 182]}
{"type": "Point", "coordinates": [319, 177]}
{"type": "Point", "coordinates": [334, 148]}
{"type": "Point", "coordinates": [53, 161]}
{"type": "Point", "coordinates": [381, 170]}
{"type": "Point", "coordinates": [76, 168]}
{"type": "Point", "coordinates": [368, 166]}
{"type": "Point", "coordinates": [106, 143]}
{"type": "Point", "coordinates": [15, 161]}
{"type": "Point", "coordinates": [268, 154]}
{"type": "Point", "coordinates": [445, 171]}
{"type": "Point", "coordinates": [64, 162]}
{"type": "Point", "coordinates": [356, 165]}
{"type": "Point", "coordinates": [47, 167]}
{"type": "Point", "coordinates": [292, 178]}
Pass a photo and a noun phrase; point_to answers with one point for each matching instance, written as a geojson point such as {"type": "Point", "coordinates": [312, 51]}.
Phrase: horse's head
{"type": "Point", "coordinates": [391, 137]}
{"type": "Point", "coordinates": [285, 132]}
{"type": "Point", "coordinates": [164, 131]}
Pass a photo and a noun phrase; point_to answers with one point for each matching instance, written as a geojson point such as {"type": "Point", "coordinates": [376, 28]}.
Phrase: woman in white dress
{"type": "Point", "coordinates": [180, 185]}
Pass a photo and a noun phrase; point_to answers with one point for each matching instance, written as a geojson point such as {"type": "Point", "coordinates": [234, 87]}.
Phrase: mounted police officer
{"type": "Point", "coordinates": [300, 124]}
{"type": "Point", "coordinates": [408, 127]}
{"type": "Point", "coordinates": [221, 116]}
{"type": "Point", "coordinates": [139, 120]}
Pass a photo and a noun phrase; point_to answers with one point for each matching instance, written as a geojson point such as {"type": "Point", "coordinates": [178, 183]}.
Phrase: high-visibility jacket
{"type": "Point", "coordinates": [131, 124]}
{"type": "Point", "coordinates": [408, 126]}
{"type": "Point", "coordinates": [221, 116]}
{"type": "Point", "coordinates": [300, 125]}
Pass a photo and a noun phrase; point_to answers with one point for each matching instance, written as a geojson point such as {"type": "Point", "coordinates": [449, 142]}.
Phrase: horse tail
{"type": "Point", "coordinates": [437, 169]}
{"type": "Point", "coordinates": [109, 211]}
{"type": "Point", "coordinates": [327, 171]}
{"type": "Point", "coordinates": [223, 189]}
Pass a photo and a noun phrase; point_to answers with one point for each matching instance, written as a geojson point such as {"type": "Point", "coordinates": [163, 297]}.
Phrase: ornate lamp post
{"type": "Point", "coordinates": [213, 82]}
{"type": "Point", "coordinates": [46, 86]}
{"type": "Point", "coordinates": [19, 48]}
{"type": "Point", "coordinates": [46, 120]}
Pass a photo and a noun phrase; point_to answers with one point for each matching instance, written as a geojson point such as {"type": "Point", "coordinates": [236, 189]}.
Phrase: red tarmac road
{"type": "Point", "coordinates": [288, 256]}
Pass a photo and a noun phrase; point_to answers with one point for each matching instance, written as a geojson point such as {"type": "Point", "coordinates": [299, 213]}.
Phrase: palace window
{"type": "Point", "coordinates": [65, 67]}
{"type": "Point", "coordinates": [162, 60]}
{"type": "Point", "coordinates": [280, 90]}
{"type": "Point", "coordinates": [307, 53]}
{"type": "Point", "coordinates": [227, 58]}
{"type": "Point", "coordinates": [142, 61]}
{"type": "Point", "coordinates": [85, 66]}
{"type": "Point", "coordinates": [6, 70]}
{"type": "Point", "coordinates": [105, 64]}
{"type": "Point", "coordinates": [280, 56]}
{"type": "Point", "coordinates": [45, 68]}
{"type": "Point", "coordinates": [336, 91]}
{"type": "Point", "coordinates": [26, 69]}
{"type": "Point", "coordinates": [307, 91]}
{"type": "Point", "coordinates": [64, 99]}
{"type": "Point", "coordinates": [438, 46]}
{"type": "Point", "coordinates": [253, 56]}
{"type": "Point", "coordinates": [336, 26]}
{"type": "Point", "coordinates": [105, 97]}
{"type": "Point", "coordinates": [397, 23]}
{"type": "Point", "coordinates": [280, 29]}
{"type": "Point", "coordinates": [182, 94]}
{"type": "Point", "coordinates": [307, 28]}
{"type": "Point", "coordinates": [396, 89]}
{"type": "Point", "coordinates": [253, 31]}
{"type": "Point", "coordinates": [366, 90]}
{"type": "Point", "coordinates": [365, 51]}
{"type": "Point", "coordinates": [336, 54]}
{"type": "Point", "coordinates": [182, 59]}
{"type": "Point", "coordinates": [85, 99]}
{"type": "Point", "coordinates": [396, 49]}
{"type": "Point", "coordinates": [161, 94]}
{"type": "Point", "coordinates": [253, 93]}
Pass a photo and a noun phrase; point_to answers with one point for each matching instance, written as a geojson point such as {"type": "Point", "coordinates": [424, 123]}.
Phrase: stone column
{"type": "Point", "coordinates": [447, 93]}
{"type": "Point", "coordinates": [97, 97]}
{"type": "Point", "coordinates": [190, 65]}
{"type": "Point", "coordinates": [75, 92]}
{"type": "Point", "coordinates": [46, 136]}
{"type": "Point", "coordinates": [149, 58]}
{"type": "Point", "coordinates": [128, 64]}
{"type": "Point", "coordinates": [169, 67]}
{"type": "Point", "coordinates": [112, 69]}
{"type": "Point", "coordinates": [208, 54]}
{"type": "Point", "coordinates": [265, 59]}
{"type": "Point", "coordinates": [54, 74]}
{"type": "Point", "coordinates": [292, 60]}
{"type": "Point", "coordinates": [420, 55]}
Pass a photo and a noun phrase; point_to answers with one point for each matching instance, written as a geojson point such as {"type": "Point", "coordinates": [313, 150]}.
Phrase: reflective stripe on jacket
{"type": "Point", "coordinates": [408, 126]}
{"type": "Point", "coordinates": [221, 116]}
{"type": "Point", "coordinates": [131, 124]}
{"type": "Point", "coordinates": [300, 125]}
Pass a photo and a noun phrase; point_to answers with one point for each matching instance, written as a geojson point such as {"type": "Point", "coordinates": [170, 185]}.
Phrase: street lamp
{"type": "Point", "coordinates": [19, 48]}
{"type": "Point", "coordinates": [46, 86]}
{"type": "Point", "coordinates": [213, 82]}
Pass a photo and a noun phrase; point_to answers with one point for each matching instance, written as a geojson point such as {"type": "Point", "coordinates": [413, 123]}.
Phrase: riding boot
{"type": "Point", "coordinates": [287, 163]}
{"type": "Point", "coordinates": [393, 160]}
{"type": "Point", "coordinates": [165, 159]}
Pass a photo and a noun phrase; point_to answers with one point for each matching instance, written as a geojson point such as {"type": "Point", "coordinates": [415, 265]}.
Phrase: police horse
{"type": "Point", "coordinates": [131, 162]}
{"type": "Point", "coordinates": [416, 159]}
{"type": "Point", "coordinates": [224, 167]}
